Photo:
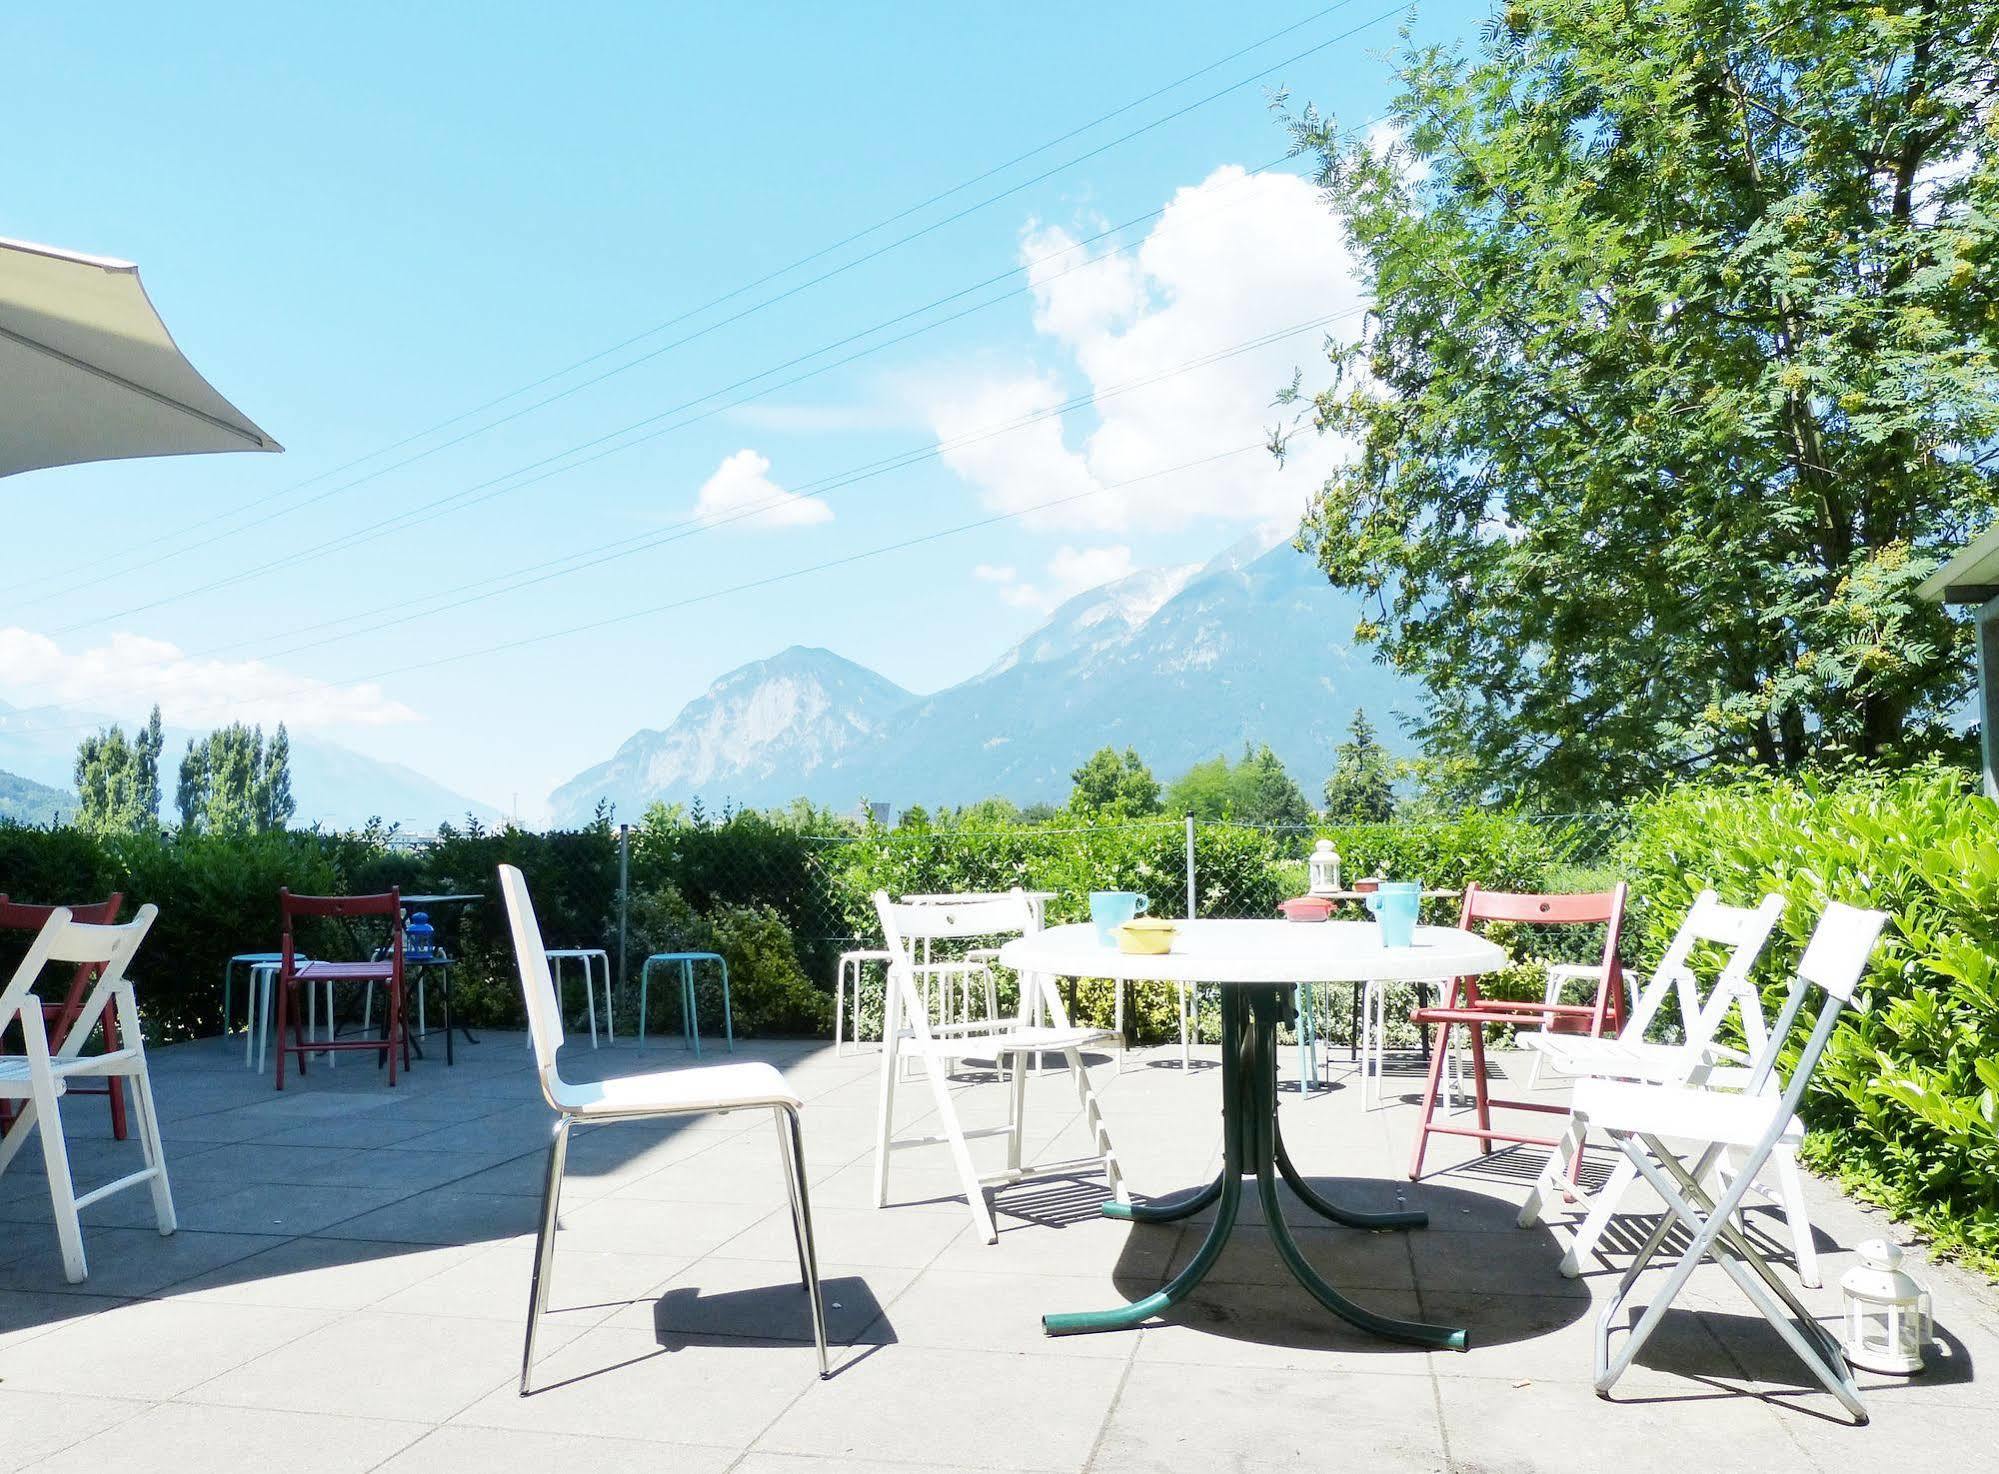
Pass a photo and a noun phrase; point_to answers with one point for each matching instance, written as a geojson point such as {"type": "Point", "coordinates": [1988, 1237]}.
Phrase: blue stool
{"type": "Point", "coordinates": [689, 1024]}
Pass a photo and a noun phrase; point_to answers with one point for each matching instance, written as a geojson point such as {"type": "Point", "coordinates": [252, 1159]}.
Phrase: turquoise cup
{"type": "Point", "coordinates": [1110, 910]}
{"type": "Point", "coordinates": [1395, 905]}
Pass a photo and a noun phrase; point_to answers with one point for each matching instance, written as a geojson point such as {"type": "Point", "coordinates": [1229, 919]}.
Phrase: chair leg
{"type": "Point", "coordinates": [284, 999]}
{"type": "Point", "coordinates": [1190, 1011]}
{"type": "Point", "coordinates": [544, 1244]}
{"type": "Point", "coordinates": [645, 980]}
{"type": "Point", "coordinates": [1093, 1117]}
{"type": "Point", "coordinates": [690, 1021]}
{"type": "Point", "coordinates": [1437, 1053]}
{"type": "Point", "coordinates": [961, 1154]}
{"type": "Point", "coordinates": [47, 1111]}
{"type": "Point", "coordinates": [791, 1137]}
{"type": "Point", "coordinates": [1791, 1198]}
{"type": "Point", "coordinates": [840, 1003]}
{"type": "Point", "coordinates": [728, 1019]}
{"type": "Point", "coordinates": [885, 1108]}
{"type": "Point", "coordinates": [1017, 1113]}
{"type": "Point", "coordinates": [1547, 1183]}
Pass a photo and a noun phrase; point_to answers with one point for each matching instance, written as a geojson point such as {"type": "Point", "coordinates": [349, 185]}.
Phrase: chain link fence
{"type": "Point", "coordinates": [781, 904]}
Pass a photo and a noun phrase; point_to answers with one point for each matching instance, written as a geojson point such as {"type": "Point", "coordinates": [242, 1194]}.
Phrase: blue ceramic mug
{"type": "Point", "coordinates": [1110, 910]}
{"type": "Point", "coordinates": [1395, 905]}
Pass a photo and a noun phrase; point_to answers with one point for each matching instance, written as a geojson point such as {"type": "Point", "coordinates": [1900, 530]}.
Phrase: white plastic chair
{"type": "Point", "coordinates": [701, 1090]}
{"type": "Point", "coordinates": [38, 1079]}
{"type": "Point", "coordinates": [909, 1035]}
{"type": "Point", "coordinates": [1697, 1059]}
{"type": "Point", "coordinates": [1638, 1115]}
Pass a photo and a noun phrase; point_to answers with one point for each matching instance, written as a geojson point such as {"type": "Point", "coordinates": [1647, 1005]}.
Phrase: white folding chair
{"type": "Point", "coordinates": [1697, 1059]}
{"type": "Point", "coordinates": [701, 1090]}
{"type": "Point", "coordinates": [909, 1035]}
{"type": "Point", "coordinates": [38, 1079]}
{"type": "Point", "coordinates": [1637, 1116]}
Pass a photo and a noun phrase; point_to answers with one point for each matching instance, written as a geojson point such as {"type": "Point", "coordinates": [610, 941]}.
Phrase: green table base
{"type": "Point", "coordinates": [1253, 1147]}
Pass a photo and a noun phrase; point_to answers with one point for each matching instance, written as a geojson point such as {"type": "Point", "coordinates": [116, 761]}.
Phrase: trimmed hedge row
{"type": "Point", "coordinates": [1903, 1108]}
{"type": "Point", "coordinates": [1905, 1105]}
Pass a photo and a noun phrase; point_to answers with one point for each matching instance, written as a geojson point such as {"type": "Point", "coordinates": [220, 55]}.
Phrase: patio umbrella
{"type": "Point", "coordinates": [88, 372]}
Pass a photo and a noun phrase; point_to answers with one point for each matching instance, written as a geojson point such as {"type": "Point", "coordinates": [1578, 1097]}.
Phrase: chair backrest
{"type": "Point", "coordinates": [27, 916]}
{"type": "Point", "coordinates": [1835, 959]}
{"type": "Point", "coordinates": [1742, 931]}
{"type": "Point", "coordinates": [537, 986]}
{"type": "Point", "coordinates": [1580, 908]}
{"type": "Point", "coordinates": [106, 949]}
{"type": "Point", "coordinates": [386, 904]}
{"type": "Point", "coordinates": [1006, 914]}
{"type": "Point", "coordinates": [906, 923]}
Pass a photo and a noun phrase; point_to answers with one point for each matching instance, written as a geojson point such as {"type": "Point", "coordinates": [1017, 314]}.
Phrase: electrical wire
{"type": "Point", "coordinates": [726, 297]}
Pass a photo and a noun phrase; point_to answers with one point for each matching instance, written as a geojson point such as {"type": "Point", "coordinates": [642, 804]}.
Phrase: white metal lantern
{"type": "Point", "coordinates": [1887, 1312]}
{"type": "Point", "coordinates": [1323, 869]}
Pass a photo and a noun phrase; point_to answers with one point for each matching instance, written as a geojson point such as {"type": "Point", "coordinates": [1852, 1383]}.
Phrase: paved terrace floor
{"type": "Point", "coordinates": [346, 1293]}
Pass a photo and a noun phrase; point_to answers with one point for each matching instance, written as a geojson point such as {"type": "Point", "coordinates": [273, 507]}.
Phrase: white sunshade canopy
{"type": "Point", "coordinates": [88, 372]}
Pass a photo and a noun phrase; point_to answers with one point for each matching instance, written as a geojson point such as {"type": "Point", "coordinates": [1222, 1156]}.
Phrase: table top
{"type": "Point", "coordinates": [421, 901]}
{"type": "Point", "coordinates": [1261, 952]}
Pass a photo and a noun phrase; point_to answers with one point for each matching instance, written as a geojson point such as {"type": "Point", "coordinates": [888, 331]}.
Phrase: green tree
{"type": "Point", "coordinates": [118, 780]}
{"type": "Point", "coordinates": [1266, 793]}
{"type": "Point", "coordinates": [1681, 374]}
{"type": "Point", "coordinates": [1114, 783]}
{"type": "Point", "coordinates": [230, 783]}
{"type": "Point", "coordinates": [1256, 790]}
{"type": "Point", "coordinates": [275, 803]}
{"type": "Point", "coordinates": [1203, 790]}
{"type": "Point", "coordinates": [1361, 789]}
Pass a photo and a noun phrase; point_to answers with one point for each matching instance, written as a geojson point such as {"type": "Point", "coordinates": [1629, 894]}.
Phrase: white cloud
{"type": "Point", "coordinates": [1070, 571]}
{"type": "Point", "coordinates": [1235, 257]}
{"type": "Point", "coordinates": [742, 486]}
{"type": "Point", "coordinates": [127, 674]}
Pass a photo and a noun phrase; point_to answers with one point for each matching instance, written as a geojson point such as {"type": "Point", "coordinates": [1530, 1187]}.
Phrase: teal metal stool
{"type": "Point", "coordinates": [690, 1025]}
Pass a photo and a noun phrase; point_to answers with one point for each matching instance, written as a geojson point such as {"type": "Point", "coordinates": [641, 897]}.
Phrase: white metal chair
{"type": "Point", "coordinates": [852, 964]}
{"type": "Point", "coordinates": [702, 1090]}
{"type": "Point", "coordinates": [1373, 1049]}
{"type": "Point", "coordinates": [909, 1035]}
{"type": "Point", "coordinates": [38, 1079]}
{"type": "Point", "coordinates": [586, 957]}
{"type": "Point", "coordinates": [1697, 1059]}
{"type": "Point", "coordinates": [1637, 1116]}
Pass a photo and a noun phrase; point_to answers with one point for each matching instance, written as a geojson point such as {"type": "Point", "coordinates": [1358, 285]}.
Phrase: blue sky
{"type": "Point", "coordinates": [361, 221]}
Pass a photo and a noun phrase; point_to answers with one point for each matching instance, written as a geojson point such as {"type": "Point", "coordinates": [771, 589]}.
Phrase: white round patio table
{"type": "Point", "coordinates": [1257, 965]}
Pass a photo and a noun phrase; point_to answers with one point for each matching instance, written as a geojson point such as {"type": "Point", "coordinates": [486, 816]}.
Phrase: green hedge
{"type": "Point", "coordinates": [1903, 1105]}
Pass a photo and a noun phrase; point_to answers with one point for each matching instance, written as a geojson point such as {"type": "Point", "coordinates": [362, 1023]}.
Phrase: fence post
{"type": "Point", "coordinates": [624, 898]}
{"type": "Point", "coordinates": [1192, 896]}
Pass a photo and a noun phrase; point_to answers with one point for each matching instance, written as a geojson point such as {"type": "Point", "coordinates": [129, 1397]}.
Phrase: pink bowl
{"type": "Point", "coordinates": [1306, 908]}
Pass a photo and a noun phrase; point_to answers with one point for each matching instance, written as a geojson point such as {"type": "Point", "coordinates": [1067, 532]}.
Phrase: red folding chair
{"type": "Point", "coordinates": [61, 1017]}
{"type": "Point", "coordinates": [1464, 1008]}
{"type": "Point", "coordinates": [386, 970]}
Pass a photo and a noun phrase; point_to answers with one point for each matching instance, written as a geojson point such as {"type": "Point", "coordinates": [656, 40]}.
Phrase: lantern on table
{"type": "Point", "coordinates": [1887, 1312]}
{"type": "Point", "coordinates": [1323, 870]}
{"type": "Point", "coordinates": [419, 937]}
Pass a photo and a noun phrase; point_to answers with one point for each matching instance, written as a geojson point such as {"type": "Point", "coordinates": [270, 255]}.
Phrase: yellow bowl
{"type": "Point", "coordinates": [1146, 937]}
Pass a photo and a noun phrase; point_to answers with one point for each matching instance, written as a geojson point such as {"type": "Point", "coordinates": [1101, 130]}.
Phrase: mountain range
{"type": "Point", "coordinates": [1182, 664]}
{"type": "Point", "coordinates": [335, 786]}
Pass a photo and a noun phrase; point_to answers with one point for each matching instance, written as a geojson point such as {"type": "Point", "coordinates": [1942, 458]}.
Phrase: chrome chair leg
{"type": "Point", "coordinates": [544, 1246]}
{"type": "Point", "coordinates": [801, 1224]}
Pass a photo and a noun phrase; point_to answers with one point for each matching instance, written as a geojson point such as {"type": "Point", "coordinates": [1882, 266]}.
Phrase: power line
{"type": "Point", "coordinates": [764, 280]}
{"type": "Point", "coordinates": [496, 485]}
{"type": "Point", "coordinates": [750, 585]}
{"type": "Point", "coordinates": [543, 571]}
